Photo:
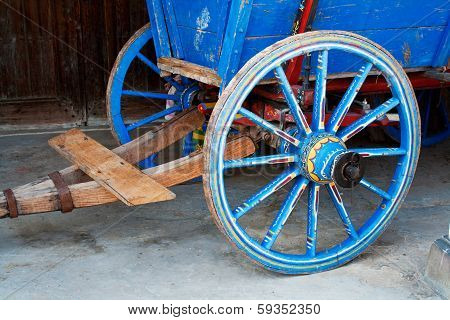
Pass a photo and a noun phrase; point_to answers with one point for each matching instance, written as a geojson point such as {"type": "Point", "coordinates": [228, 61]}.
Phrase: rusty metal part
{"type": "Point", "coordinates": [65, 197]}
{"type": "Point", "coordinates": [12, 203]}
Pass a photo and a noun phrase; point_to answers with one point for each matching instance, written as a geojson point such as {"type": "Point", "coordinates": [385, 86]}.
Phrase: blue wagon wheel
{"type": "Point", "coordinates": [435, 118]}
{"type": "Point", "coordinates": [119, 90]}
{"type": "Point", "coordinates": [319, 156]}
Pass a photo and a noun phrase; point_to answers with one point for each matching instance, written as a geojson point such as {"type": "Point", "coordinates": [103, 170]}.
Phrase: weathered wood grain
{"type": "Point", "coordinates": [63, 51]}
{"type": "Point", "coordinates": [122, 179]}
{"type": "Point", "coordinates": [41, 195]}
{"type": "Point", "coordinates": [149, 143]}
{"type": "Point", "coordinates": [190, 70]}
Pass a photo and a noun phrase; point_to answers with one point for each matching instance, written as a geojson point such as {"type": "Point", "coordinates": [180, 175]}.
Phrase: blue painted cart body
{"type": "Point", "coordinates": [224, 34]}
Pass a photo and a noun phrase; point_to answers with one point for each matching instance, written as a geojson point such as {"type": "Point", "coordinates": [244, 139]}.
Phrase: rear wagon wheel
{"type": "Point", "coordinates": [119, 90]}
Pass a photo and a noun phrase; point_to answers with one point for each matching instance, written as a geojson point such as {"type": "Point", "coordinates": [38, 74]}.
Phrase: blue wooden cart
{"type": "Point", "coordinates": [268, 67]}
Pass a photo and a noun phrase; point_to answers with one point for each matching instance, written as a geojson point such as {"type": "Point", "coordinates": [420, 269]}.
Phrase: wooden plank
{"type": "Point", "coordinates": [441, 57]}
{"type": "Point", "coordinates": [199, 15]}
{"type": "Point", "coordinates": [92, 44]}
{"type": "Point", "coordinates": [196, 72]}
{"type": "Point", "coordinates": [352, 15]}
{"type": "Point", "coordinates": [221, 27]}
{"type": "Point", "coordinates": [41, 196]}
{"type": "Point", "coordinates": [279, 18]}
{"type": "Point", "coordinates": [66, 22]}
{"type": "Point", "coordinates": [239, 18]}
{"type": "Point", "coordinates": [438, 75]}
{"type": "Point", "coordinates": [121, 178]}
{"type": "Point", "coordinates": [172, 28]}
{"type": "Point", "coordinates": [190, 70]}
{"type": "Point", "coordinates": [236, 29]}
{"type": "Point", "coordinates": [147, 144]}
{"type": "Point", "coordinates": [412, 47]}
{"type": "Point", "coordinates": [199, 46]}
{"type": "Point", "coordinates": [159, 28]}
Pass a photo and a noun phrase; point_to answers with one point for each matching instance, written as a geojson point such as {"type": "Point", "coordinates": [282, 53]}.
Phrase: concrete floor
{"type": "Point", "coordinates": [173, 250]}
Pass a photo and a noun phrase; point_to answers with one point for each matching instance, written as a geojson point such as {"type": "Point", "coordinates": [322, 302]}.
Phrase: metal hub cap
{"type": "Point", "coordinates": [348, 170]}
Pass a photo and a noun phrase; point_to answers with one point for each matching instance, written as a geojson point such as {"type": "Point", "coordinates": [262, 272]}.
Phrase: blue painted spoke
{"type": "Point", "coordinates": [344, 105]}
{"type": "Point", "coordinates": [150, 64]}
{"type": "Point", "coordinates": [266, 191]}
{"type": "Point", "coordinates": [256, 161]}
{"type": "Point", "coordinates": [313, 210]}
{"type": "Point", "coordinates": [379, 152]}
{"type": "Point", "coordinates": [155, 69]}
{"type": "Point", "coordinates": [150, 95]}
{"type": "Point", "coordinates": [292, 100]}
{"type": "Point", "coordinates": [153, 117]}
{"type": "Point", "coordinates": [357, 126]}
{"type": "Point", "coordinates": [286, 209]}
{"type": "Point", "coordinates": [268, 126]}
{"type": "Point", "coordinates": [318, 118]}
{"type": "Point", "coordinates": [369, 186]}
{"type": "Point", "coordinates": [339, 204]}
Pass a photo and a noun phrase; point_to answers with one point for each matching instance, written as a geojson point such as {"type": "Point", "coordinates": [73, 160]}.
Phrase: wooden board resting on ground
{"type": "Point", "coordinates": [122, 179]}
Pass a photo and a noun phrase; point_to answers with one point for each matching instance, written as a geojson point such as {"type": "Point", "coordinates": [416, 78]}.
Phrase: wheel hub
{"type": "Point", "coordinates": [318, 155]}
{"type": "Point", "coordinates": [348, 170]}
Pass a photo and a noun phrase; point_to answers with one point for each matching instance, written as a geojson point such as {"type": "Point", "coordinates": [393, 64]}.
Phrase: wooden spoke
{"type": "Point", "coordinates": [344, 105]}
{"type": "Point", "coordinates": [286, 209]}
{"type": "Point", "coordinates": [369, 186]}
{"type": "Point", "coordinates": [313, 210]}
{"type": "Point", "coordinates": [148, 63]}
{"type": "Point", "coordinates": [291, 99]}
{"type": "Point", "coordinates": [266, 191]}
{"type": "Point", "coordinates": [270, 127]}
{"type": "Point", "coordinates": [153, 117]}
{"type": "Point", "coordinates": [367, 119]}
{"type": "Point", "coordinates": [256, 161]}
{"type": "Point", "coordinates": [318, 118]}
{"type": "Point", "coordinates": [379, 152]}
{"type": "Point", "coordinates": [339, 204]}
{"type": "Point", "coordinates": [150, 95]}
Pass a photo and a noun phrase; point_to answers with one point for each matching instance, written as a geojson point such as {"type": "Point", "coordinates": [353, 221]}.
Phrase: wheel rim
{"type": "Point", "coordinates": [428, 138]}
{"type": "Point", "coordinates": [122, 129]}
{"type": "Point", "coordinates": [232, 100]}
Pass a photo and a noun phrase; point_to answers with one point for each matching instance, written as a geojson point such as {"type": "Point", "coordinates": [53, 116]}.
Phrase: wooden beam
{"type": "Point", "coordinates": [233, 43]}
{"type": "Point", "coordinates": [119, 177]}
{"type": "Point", "coordinates": [438, 75]}
{"type": "Point", "coordinates": [41, 196]}
{"type": "Point", "coordinates": [149, 143]}
{"type": "Point", "coordinates": [133, 152]}
{"type": "Point", "coordinates": [190, 70]}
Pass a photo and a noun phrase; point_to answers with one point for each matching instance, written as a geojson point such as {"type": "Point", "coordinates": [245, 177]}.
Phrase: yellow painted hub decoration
{"type": "Point", "coordinates": [323, 151]}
